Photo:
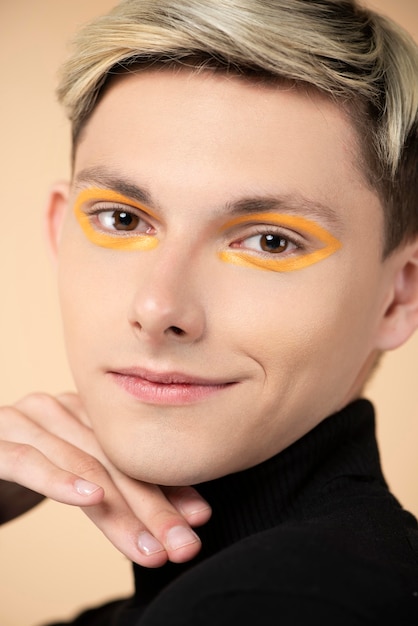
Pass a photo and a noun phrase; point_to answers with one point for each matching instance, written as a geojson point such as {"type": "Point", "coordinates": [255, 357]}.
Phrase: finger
{"type": "Point", "coordinates": [159, 523]}
{"type": "Point", "coordinates": [54, 418]}
{"type": "Point", "coordinates": [167, 525]}
{"type": "Point", "coordinates": [30, 467]}
{"type": "Point", "coordinates": [186, 500]}
{"type": "Point", "coordinates": [25, 465]}
{"type": "Point", "coordinates": [110, 512]}
{"type": "Point", "coordinates": [195, 509]}
{"type": "Point", "coordinates": [56, 413]}
{"type": "Point", "coordinates": [57, 469]}
{"type": "Point", "coordinates": [125, 531]}
{"type": "Point", "coordinates": [164, 521]}
{"type": "Point", "coordinates": [112, 515]}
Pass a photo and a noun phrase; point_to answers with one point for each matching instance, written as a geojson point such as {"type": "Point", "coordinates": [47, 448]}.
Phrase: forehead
{"type": "Point", "coordinates": [211, 91]}
{"type": "Point", "coordinates": [188, 134]}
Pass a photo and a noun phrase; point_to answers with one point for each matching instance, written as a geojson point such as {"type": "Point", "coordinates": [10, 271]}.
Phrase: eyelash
{"type": "Point", "coordinates": [294, 240]}
{"type": "Point", "coordinates": [96, 211]}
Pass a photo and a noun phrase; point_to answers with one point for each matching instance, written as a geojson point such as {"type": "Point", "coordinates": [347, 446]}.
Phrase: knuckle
{"type": "Point", "coordinates": [86, 465]}
{"type": "Point", "coordinates": [35, 400]}
{"type": "Point", "coordinates": [68, 396]}
{"type": "Point", "coordinates": [164, 518]}
{"type": "Point", "coordinates": [19, 455]}
{"type": "Point", "coordinates": [72, 404]}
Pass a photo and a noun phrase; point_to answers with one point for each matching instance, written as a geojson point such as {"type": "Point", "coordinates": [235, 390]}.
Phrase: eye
{"type": "Point", "coordinates": [122, 220]}
{"type": "Point", "coordinates": [273, 243]}
{"type": "Point", "coordinates": [295, 243]}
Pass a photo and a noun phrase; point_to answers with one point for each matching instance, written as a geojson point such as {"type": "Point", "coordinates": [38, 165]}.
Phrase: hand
{"type": "Point", "coordinates": [47, 446]}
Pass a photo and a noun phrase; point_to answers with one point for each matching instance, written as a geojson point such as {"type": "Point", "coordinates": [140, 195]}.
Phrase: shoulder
{"type": "Point", "coordinates": [294, 574]}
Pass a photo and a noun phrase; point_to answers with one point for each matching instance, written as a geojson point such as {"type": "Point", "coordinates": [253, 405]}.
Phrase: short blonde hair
{"type": "Point", "coordinates": [358, 57]}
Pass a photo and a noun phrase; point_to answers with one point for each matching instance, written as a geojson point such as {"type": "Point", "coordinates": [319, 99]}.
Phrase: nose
{"type": "Point", "coordinates": [167, 304]}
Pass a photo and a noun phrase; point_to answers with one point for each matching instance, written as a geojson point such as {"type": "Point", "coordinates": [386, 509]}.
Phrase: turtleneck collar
{"type": "Point", "coordinates": [278, 489]}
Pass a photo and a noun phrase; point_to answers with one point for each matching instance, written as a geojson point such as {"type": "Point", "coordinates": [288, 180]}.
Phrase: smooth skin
{"type": "Point", "coordinates": [189, 366]}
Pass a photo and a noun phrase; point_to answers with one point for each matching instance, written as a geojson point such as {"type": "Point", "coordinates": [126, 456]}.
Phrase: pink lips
{"type": "Point", "coordinates": [169, 388]}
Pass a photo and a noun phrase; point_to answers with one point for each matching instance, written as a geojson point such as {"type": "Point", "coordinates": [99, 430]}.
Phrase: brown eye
{"type": "Point", "coordinates": [119, 220]}
{"type": "Point", "coordinates": [273, 243]}
{"type": "Point", "coordinates": [125, 221]}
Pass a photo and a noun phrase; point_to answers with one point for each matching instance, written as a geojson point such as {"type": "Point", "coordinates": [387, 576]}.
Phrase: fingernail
{"type": "Point", "coordinates": [148, 544]}
{"type": "Point", "coordinates": [84, 488]}
{"type": "Point", "coordinates": [192, 506]}
{"type": "Point", "coordinates": [179, 536]}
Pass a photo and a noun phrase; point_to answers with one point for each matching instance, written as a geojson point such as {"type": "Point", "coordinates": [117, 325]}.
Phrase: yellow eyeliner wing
{"type": "Point", "coordinates": [104, 240]}
{"type": "Point", "coordinates": [241, 257]}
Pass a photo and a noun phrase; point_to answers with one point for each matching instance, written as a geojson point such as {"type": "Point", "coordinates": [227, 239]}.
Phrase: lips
{"type": "Point", "coordinates": [166, 387]}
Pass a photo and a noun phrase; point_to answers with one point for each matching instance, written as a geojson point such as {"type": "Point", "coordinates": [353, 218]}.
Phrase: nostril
{"type": "Point", "coordinates": [176, 330]}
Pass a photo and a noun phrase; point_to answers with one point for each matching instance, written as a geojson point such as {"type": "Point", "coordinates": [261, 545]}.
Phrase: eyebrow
{"type": "Point", "coordinates": [99, 176]}
{"type": "Point", "coordinates": [293, 203]}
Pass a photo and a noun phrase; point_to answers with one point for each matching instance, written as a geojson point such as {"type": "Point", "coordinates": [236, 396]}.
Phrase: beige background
{"type": "Point", "coordinates": [52, 560]}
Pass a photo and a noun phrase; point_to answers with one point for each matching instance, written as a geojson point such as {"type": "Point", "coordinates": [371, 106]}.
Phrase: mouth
{"type": "Point", "coordinates": [167, 388]}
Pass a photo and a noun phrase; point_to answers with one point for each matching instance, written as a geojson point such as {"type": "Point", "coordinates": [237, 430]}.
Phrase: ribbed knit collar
{"type": "Point", "coordinates": [278, 489]}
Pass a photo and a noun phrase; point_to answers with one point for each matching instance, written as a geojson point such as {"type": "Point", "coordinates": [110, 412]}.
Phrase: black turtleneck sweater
{"type": "Point", "coordinates": [310, 537]}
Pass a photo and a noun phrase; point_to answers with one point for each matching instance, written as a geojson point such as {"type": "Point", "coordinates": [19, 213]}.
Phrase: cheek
{"type": "Point", "coordinates": [304, 321]}
{"type": "Point", "coordinates": [90, 296]}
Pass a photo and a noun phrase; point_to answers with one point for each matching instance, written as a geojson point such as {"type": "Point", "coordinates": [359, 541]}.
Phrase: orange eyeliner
{"type": "Point", "coordinates": [104, 240]}
{"type": "Point", "coordinates": [247, 259]}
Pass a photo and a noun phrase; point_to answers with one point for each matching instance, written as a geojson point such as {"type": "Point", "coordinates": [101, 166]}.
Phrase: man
{"type": "Point", "coordinates": [235, 250]}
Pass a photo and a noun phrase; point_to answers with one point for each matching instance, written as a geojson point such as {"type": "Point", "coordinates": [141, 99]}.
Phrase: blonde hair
{"type": "Point", "coordinates": [355, 55]}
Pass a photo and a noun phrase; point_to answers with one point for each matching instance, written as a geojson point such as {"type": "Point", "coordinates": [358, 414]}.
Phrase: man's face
{"type": "Point", "coordinates": [206, 327]}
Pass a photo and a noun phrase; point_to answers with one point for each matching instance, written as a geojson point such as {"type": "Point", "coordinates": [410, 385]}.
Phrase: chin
{"type": "Point", "coordinates": [162, 469]}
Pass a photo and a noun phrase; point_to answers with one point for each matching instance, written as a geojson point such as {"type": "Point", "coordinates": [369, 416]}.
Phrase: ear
{"type": "Point", "coordinates": [401, 315]}
{"type": "Point", "coordinates": [55, 212]}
